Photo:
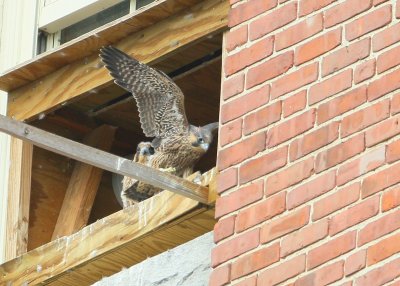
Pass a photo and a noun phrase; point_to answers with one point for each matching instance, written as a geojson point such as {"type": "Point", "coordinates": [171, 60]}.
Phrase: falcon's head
{"type": "Point", "coordinates": [201, 137]}
{"type": "Point", "coordinates": [144, 151]}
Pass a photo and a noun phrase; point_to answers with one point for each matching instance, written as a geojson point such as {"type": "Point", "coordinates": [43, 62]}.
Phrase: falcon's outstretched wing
{"type": "Point", "coordinates": [160, 101]}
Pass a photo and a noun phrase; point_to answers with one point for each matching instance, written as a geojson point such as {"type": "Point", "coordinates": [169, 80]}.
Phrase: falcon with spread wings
{"type": "Point", "coordinates": [177, 144]}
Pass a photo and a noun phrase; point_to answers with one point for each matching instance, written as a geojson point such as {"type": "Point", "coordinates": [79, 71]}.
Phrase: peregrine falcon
{"type": "Point", "coordinates": [177, 144]}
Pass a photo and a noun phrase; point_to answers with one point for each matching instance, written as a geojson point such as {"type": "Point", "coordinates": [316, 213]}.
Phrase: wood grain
{"type": "Point", "coordinates": [82, 188]}
{"type": "Point", "coordinates": [148, 45]}
{"type": "Point", "coordinates": [89, 43]}
{"type": "Point", "coordinates": [103, 159]}
{"type": "Point", "coordinates": [19, 190]}
{"type": "Point", "coordinates": [90, 248]}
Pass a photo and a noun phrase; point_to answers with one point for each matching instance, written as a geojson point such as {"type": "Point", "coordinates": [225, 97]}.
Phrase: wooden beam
{"type": "Point", "coordinates": [148, 45]}
{"type": "Point", "coordinates": [19, 190]}
{"type": "Point", "coordinates": [83, 185]}
{"type": "Point", "coordinates": [101, 159]}
{"type": "Point", "coordinates": [89, 43]}
{"type": "Point", "coordinates": [119, 240]}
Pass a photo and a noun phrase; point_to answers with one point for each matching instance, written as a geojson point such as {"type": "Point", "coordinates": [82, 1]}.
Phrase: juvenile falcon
{"type": "Point", "coordinates": [178, 145]}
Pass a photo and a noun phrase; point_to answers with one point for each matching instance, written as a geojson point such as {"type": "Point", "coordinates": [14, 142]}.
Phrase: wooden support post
{"type": "Point", "coordinates": [82, 188]}
{"type": "Point", "coordinates": [103, 160]}
{"type": "Point", "coordinates": [19, 190]}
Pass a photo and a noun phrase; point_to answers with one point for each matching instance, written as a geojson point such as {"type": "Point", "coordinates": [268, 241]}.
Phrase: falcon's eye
{"type": "Point", "coordinates": [151, 150]}
{"type": "Point", "coordinates": [200, 140]}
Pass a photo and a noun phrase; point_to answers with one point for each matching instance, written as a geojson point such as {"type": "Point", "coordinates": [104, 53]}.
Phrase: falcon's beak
{"type": "Point", "coordinates": [204, 146]}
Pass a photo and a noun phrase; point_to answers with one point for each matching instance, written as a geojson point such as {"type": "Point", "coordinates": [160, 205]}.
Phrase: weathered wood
{"type": "Point", "coordinates": [119, 240]}
{"type": "Point", "coordinates": [19, 189]}
{"type": "Point", "coordinates": [51, 173]}
{"type": "Point", "coordinates": [82, 188]}
{"type": "Point", "coordinates": [148, 45]}
{"type": "Point", "coordinates": [89, 43]}
{"type": "Point", "coordinates": [103, 160]}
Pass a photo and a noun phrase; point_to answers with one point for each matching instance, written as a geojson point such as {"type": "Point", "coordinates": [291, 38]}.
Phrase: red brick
{"type": "Point", "coordinates": [294, 80]}
{"type": "Point", "coordinates": [323, 276]}
{"type": "Point", "coordinates": [294, 103]}
{"type": "Point", "coordinates": [318, 46]}
{"type": "Point", "coordinates": [364, 71]}
{"type": "Point", "coordinates": [260, 212]}
{"type": "Point", "coordinates": [388, 60]}
{"type": "Point", "coordinates": [365, 117]}
{"type": "Point", "coordinates": [220, 276]}
{"type": "Point", "coordinates": [239, 198]}
{"type": "Point", "coordinates": [380, 180]}
{"type": "Point", "coordinates": [233, 86]}
{"type": "Point", "coordinates": [382, 131]}
{"type": "Point", "coordinates": [377, 2]}
{"type": "Point", "coordinates": [290, 176]}
{"type": "Point", "coordinates": [362, 165]}
{"type": "Point", "coordinates": [388, 83]}
{"type": "Point", "coordinates": [227, 179]}
{"type": "Point", "coordinates": [290, 128]}
{"type": "Point", "coordinates": [285, 224]}
{"type": "Point", "coordinates": [263, 165]}
{"type": "Point", "coordinates": [391, 199]}
{"type": "Point", "coordinates": [304, 237]}
{"type": "Point", "coordinates": [308, 6]}
{"type": "Point", "coordinates": [369, 22]}
{"type": "Point", "coordinates": [398, 9]}
{"type": "Point", "coordinates": [336, 201]}
{"type": "Point", "coordinates": [249, 281]}
{"type": "Point", "coordinates": [354, 215]}
{"type": "Point", "coordinates": [313, 141]}
{"type": "Point", "coordinates": [248, 10]}
{"type": "Point", "coordinates": [383, 249]}
{"type": "Point", "coordinates": [342, 104]}
{"type": "Point", "coordinates": [235, 247]}
{"type": "Point", "coordinates": [241, 151]}
{"type": "Point", "coordinates": [236, 38]}
{"type": "Point", "coordinates": [299, 32]}
{"type": "Point", "coordinates": [244, 104]}
{"type": "Point", "coordinates": [245, 57]}
{"type": "Point", "coordinates": [355, 262]}
{"type": "Point", "coordinates": [310, 190]}
{"type": "Point", "coordinates": [380, 275]}
{"type": "Point", "coordinates": [269, 69]}
{"type": "Point", "coordinates": [256, 260]}
{"type": "Point", "coordinates": [330, 86]}
{"type": "Point", "coordinates": [339, 153]}
{"type": "Point", "coordinates": [378, 228]}
{"type": "Point", "coordinates": [272, 21]}
{"type": "Point", "coordinates": [386, 37]}
{"type": "Point", "coordinates": [395, 104]}
{"type": "Point", "coordinates": [345, 10]}
{"type": "Point", "coordinates": [331, 249]}
{"type": "Point", "coordinates": [283, 271]}
{"type": "Point", "coordinates": [262, 118]}
{"type": "Point", "coordinates": [224, 228]}
{"type": "Point", "coordinates": [230, 132]}
{"type": "Point", "coordinates": [345, 56]}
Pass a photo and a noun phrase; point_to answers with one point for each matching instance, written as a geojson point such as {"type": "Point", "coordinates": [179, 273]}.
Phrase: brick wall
{"type": "Point", "coordinates": [309, 147]}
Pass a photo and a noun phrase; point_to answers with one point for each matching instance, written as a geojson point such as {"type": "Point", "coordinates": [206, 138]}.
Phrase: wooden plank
{"type": "Point", "coordinates": [148, 45]}
{"type": "Point", "coordinates": [116, 232]}
{"type": "Point", "coordinates": [101, 159]}
{"type": "Point", "coordinates": [82, 188]}
{"type": "Point", "coordinates": [19, 189]}
{"type": "Point", "coordinates": [51, 173]}
{"type": "Point", "coordinates": [89, 43]}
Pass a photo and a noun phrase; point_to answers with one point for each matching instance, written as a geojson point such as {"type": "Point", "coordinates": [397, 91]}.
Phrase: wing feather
{"type": "Point", "coordinates": [159, 100]}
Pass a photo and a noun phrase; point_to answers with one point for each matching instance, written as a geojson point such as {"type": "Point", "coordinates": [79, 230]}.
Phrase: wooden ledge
{"type": "Point", "coordinates": [105, 247]}
{"type": "Point", "coordinates": [90, 43]}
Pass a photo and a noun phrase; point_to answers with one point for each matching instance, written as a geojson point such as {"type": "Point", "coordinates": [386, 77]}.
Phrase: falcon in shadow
{"type": "Point", "coordinates": [177, 144]}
